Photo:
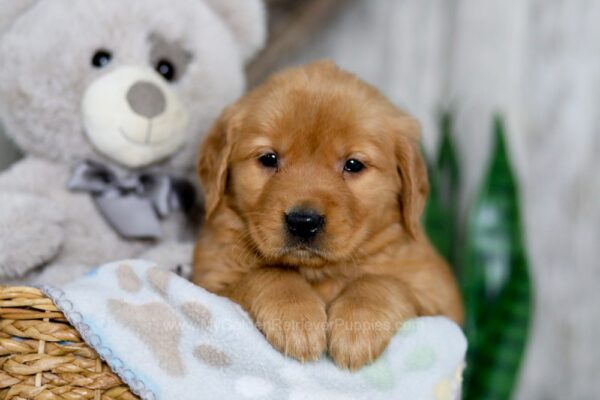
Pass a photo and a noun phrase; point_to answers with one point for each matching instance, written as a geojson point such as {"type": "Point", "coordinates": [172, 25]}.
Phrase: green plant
{"type": "Point", "coordinates": [442, 208]}
{"type": "Point", "coordinates": [490, 263]}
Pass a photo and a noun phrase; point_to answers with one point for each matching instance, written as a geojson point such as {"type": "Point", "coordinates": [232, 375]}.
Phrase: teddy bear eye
{"type": "Point", "coordinates": [167, 69]}
{"type": "Point", "coordinates": [101, 58]}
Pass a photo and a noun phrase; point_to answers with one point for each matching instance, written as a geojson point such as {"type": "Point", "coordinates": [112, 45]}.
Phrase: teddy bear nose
{"type": "Point", "coordinates": [146, 99]}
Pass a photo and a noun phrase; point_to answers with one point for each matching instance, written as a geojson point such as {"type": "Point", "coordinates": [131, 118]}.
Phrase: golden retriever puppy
{"type": "Point", "coordinates": [314, 189]}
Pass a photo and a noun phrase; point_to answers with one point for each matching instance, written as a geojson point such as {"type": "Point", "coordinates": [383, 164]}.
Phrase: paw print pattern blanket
{"type": "Point", "coordinates": [169, 339]}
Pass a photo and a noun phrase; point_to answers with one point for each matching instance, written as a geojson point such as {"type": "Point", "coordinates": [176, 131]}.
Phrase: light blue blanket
{"type": "Point", "coordinates": [169, 339]}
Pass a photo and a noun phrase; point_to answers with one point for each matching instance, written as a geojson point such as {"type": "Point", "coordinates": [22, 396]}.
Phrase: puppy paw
{"type": "Point", "coordinates": [357, 335]}
{"type": "Point", "coordinates": [297, 329]}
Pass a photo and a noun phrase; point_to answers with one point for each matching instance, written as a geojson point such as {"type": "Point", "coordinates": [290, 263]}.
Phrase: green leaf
{"type": "Point", "coordinates": [496, 282]}
{"type": "Point", "coordinates": [442, 210]}
{"type": "Point", "coordinates": [435, 218]}
{"type": "Point", "coordinates": [449, 183]}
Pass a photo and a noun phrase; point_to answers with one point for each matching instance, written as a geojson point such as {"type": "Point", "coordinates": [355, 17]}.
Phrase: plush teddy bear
{"type": "Point", "coordinates": [108, 100]}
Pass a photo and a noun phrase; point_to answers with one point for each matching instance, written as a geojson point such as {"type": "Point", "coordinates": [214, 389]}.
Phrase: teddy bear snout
{"type": "Point", "coordinates": [132, 116]}
{"type": "Point", "coordinates": [146, 99]}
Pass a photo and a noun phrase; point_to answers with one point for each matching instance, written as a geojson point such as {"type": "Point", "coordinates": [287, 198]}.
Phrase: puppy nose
{"type": "Point", "coordinates": [304, 224]}
{"type": "Point", "coordinates": [146, 99]}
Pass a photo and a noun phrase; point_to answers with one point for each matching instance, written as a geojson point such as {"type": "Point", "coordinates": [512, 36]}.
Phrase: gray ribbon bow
{"type": "Point", "coordinates": [133, 203]}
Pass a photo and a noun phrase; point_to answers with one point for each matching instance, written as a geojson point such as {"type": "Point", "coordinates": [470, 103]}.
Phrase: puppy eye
{"type": "Point", "coordinates": [166, 69]}
{"type": "Point", "coordinates": [353, 166]}
{"type": "Point", "coordinates": [101, 58]}
{"type": "Point", "coordinates": [269, 160]}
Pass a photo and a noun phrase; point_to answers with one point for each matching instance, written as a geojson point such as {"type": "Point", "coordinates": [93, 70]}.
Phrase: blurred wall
{"type": "Point", "coordinates": [538, 62]}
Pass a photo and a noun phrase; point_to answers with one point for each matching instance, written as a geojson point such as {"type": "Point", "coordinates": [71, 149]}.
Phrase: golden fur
{"type": "Point", "coordinates": [371, 268]}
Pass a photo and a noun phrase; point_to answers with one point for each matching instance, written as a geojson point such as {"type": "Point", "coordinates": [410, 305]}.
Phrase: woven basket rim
{"type": "Point", "coordinates": [42, 356]}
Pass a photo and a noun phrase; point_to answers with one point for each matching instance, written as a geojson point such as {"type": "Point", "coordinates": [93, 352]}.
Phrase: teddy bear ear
{"type": "Point", "coordinates": [247, 20]}
{"type": "Point", "coordinates": [10, 10]}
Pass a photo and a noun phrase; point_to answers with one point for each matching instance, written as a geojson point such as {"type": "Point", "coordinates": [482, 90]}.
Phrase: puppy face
{"type": "Point", "coordinates": [316, 163]}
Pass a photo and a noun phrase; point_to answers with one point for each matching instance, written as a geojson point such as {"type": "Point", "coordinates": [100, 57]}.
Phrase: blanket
{"type": "Point", "coordinates": [170, 339]}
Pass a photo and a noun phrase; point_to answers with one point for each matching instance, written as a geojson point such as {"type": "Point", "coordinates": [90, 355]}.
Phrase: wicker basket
{"type": "Point", "coordinates": [42, 357]}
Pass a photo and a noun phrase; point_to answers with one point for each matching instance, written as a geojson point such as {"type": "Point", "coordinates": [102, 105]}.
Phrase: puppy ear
{"type": "Point", "coordinates": [413, 174]}
{"type": "Point", "coordinates": [247, 19]}
{"type": "Point", "coordinates": [213, 160]}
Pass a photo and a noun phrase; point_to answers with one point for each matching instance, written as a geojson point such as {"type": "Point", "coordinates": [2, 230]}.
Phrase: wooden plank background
{"type": "Point", "coordinates": [537, 62]}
